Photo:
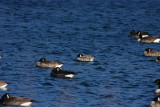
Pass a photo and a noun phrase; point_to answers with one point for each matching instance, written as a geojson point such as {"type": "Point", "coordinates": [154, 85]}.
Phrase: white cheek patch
{"type": "Point", "coordinates": [157, 91]}
{"type": "Point", "coordinates": [26, 104]}
{"type": "Point", "coordinates": [157, 41]}
{"type": "Point", "coordinates": [139, 40]}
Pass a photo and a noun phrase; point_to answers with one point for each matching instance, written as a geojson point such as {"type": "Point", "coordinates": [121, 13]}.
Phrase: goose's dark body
{"type": "Point", "coordinates": [57, 72]}
{"type": "Point", "coordinates": [6, 99]}
{"type": "Point", "coordinates": [48, 64]}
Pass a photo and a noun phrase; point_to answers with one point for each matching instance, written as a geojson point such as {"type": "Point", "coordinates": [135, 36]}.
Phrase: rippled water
{"type": "Point", "coordinates": [58, 30]}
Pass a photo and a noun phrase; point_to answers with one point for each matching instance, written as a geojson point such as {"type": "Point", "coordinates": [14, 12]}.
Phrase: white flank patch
{"type": "Point", "coordinates": [69, 75]}
{"type": "Point", "coordinates": [26, 104]}
{"type": "Point", "coordinates": [3, 86]}
{"type": "Point", "coordinates": [92, 59]}
{"type": "Point", "coordinates": [157, 41]}
{"type": "Point", "coordinates": [143, 36]}
{"type": "Point", "coordinates": [139, 40]}
{"type": "Point", "coordinates": [152, 103]}
{"type": "Point", "coordinates": [59, 65]}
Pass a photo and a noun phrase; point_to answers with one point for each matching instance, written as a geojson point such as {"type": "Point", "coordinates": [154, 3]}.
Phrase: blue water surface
{"type": "Point", "coordinates": [120, 76]}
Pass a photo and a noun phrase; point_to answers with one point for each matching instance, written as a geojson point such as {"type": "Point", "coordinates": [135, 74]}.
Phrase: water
{"type": "Point", "coordinates": [59, 30]}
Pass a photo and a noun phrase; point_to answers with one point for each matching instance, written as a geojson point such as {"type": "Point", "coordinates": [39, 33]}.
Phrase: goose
{"type": "Point", "coordinates": [48, 64]}
{"type": "Point", "coordinates": [155, 102]}
{"type": "Point", "coordinates": [57, 72]}
{"type": "Point", "coordinates": [133, 33]}
{"type": "Point", "coordinates": [158, 59]}
{"type": "Point", "coordinates": [150, 39]}
{"type": "Point", "coordinates": [80, 57]}
{"type": "Point", "coordinates": [150, 52]}
{"type": "Point", "coordinates": [157, 91]}
{"type": "Point", "coordinates": [6, 99]}
{"type": "Point", "coordinates": [3, 84]}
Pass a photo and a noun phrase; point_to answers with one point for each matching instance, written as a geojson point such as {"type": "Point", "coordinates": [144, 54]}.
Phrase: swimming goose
{"type": "Point", "coordinates": [6, 99]}
{"type": "Point", "coordinates": [157, 81]}
{"type": "Point", "coordinates": [3, 84]}
{"type": "Point", "coordinates": [80, 57]}
{"type": "Point", "coordinates": [155, 102]}
{"type": "Point", "coordinates": [150, 52]}
{"type": "Point", "coordinates": [133, 33]}
{"type": "Point", "coordinates": [158, 59]}
{"type": "Point", "coordinates": [57, 72]}
{"type": "Point", "coordinates": [150, 39]}
{"type": "Point", "coordinates": [157, 91]}
{"type": "Point", "coordinates": [1, 56]}
{"type": "Point", "coordinates": [48, 64]}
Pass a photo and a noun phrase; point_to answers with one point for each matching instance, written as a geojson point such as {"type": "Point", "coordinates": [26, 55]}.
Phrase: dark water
{"type": "Point", "coordinates": [58, 30]}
